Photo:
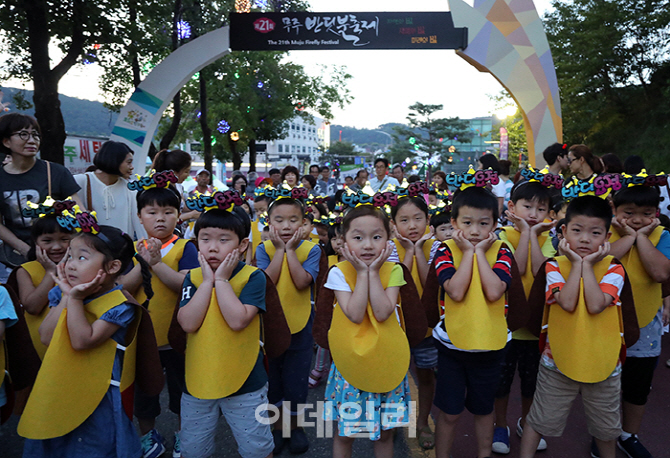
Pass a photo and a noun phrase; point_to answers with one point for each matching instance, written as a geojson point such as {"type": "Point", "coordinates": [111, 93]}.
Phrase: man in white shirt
{"type": "Point", "coordinates": [382, 180]}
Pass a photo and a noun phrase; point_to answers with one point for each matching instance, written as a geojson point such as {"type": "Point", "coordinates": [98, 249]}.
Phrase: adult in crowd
{"type": "Point", "coordinates": [309, 183]}
{"type": "Point", "coordinates": [583, 163]}
{"type": "Point", "coordinates": [180, 163]}
{"type": "Point", "coordinates": [290, 174]}
{"type": "Point", "coordinates": [239, 183]}
{"type": "Point", "coordinates": [611, 163]}
{"type": "Point", "coordinates": [556, 157]}
{"type": "Point", "coordinates": [331, 183]}
{"type": "Point", "coordinates": [25, 178]}
{"type": "Point", "coordinates": [105, 190]}
{"type": "Point", "coordinates": [505, 167]}
{"type": "Point", "coordinates": [251, 179]}
{"type": "Point", "coordinates": [202, 186]}
{"type": "Point", "coordinates": [382, 180]}
{"type": "Point", "coordinates": [489, 161]}
{"type": "Point", "coordinates": [633, 165]}
{"type": "Point", "coordinates": [348, 181]}
{"type": "Point", "coordinates": [275, 176]}
{"type": "Point", "coordinates": [398, 173]}
{"type": "Point", "coordinates": [439, 180]}
{"type": "Point", "coordinates": [361, 178]}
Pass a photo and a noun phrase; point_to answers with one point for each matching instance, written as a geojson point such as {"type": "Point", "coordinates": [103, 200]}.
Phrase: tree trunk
{"type": "Point", "coordinates": [252, 155]}
{"type": "Point", "coordinates": [237, 159]}
{"type": "Point", "coordinates": [45, 79]}
{"type": "Point", "coordinates": [132, 49]}
{"type": "Point", "coordinates": [176, 101]}
{"type": "Point", "coordinates": [206, 131]}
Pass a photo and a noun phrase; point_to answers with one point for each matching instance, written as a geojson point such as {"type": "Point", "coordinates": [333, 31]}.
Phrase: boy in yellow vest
{"type": "Point", "coordinates": [293, 265]}
{"type": "Point", "coordinates": [644, 250]}
{"type": "Point", "coordinates": [584, 328]}
{"type": "Point", "coordinates": [219, 311]}
{"type": "Point", "coordinates": [475, 271]}
{"type": "Point", "coordinates": [170, 257]}
{"type": "Point", "coordinates": [530, 242]}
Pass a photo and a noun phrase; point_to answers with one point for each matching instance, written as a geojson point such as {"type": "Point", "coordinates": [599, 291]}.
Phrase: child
{"type": "Point", "coordinates": [260, 210]}
{"type": "Point", "coordinates": [74, 409]}
{"type": "Point", "coordinates": [365, 332]}
{"type": "Point", "coordinates": [441, 226]}
{"type": "Point", "coordinates": [170, 257]}
{"type": "Point", "coordinates": [265, 235]}
{"type": "Point", "coordinates": [415, 248]}
{"type": "Point", "coordinates": [475, 271]}
{"type": "Point", "coordinates": [583, 327]}
{"type": "Point", "coordinates": [7, 318]}
{"type": "Point", "coordinates": [219, 310]}
{"type": "Point", "coordinates": [531, 245]}
{"type": "Point", "coordinates": [49, 243]}
{"type": "Point", "coordinates": [643, 248]}
{"type": "Point", "coordinates": [293, 265]}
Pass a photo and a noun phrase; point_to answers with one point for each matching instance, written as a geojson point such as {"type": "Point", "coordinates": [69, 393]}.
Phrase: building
{"type": "Point", "coordinates": [466, 154]}
{"type": "Point", "coordinates": [302, 146]}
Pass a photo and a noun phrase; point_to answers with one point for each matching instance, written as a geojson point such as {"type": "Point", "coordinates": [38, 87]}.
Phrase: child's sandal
{"type": "Point", "coordinates": [315, 378]}
{"type": "Point", "coordinates": [426, 438]}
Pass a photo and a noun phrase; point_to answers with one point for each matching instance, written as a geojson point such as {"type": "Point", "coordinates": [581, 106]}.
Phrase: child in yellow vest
{"type": "Point", "coordinates": [530, 242]}
{"type": "Point", "coordinates": [219, 311]}
{"type": "Point", "coordinates": [372, 376]}
{"type": "Point", "coordinates": [49, 243]}
{"type": "Point", "coordinates": [170, 257]}
{"type": "Point", "coordinates": [293, 265]}
{"type": "Point", "coordinates": [74, 410]}
{"type": "Point", "coordinates": [584, 327]}
{"type": "Point", "coordinates": [415, 247]}
{"type": "Point", "coordinates": [475, 271]}
{"type": "Point", "coordinates": [644, 250]}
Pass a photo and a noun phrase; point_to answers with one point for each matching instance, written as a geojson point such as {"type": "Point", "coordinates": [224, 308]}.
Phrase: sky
{"type": "Point", "coordinates": [385, 82]}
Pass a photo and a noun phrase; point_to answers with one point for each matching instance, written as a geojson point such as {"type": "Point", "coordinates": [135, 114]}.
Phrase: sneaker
{"type": "Point", "coordinates": [176, 448]}
{"type": "Point", "coordinates": [278, 439]}
{"type": "Point", "coordinates": [633, 447]}
{"type": "Point", "coordinates": [519, 432]}
{"type": "Point", "coordinates": [298, 442]}
{"type": "Point", "coordinates": [152, 444]}
{"type": "Point", "coordinates": [595, 453]}
{"type": "Point", "coordinates": [500, 440]}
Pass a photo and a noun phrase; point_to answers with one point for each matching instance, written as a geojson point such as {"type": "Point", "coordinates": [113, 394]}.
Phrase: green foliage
{"type": "Point", "coordinates": [613, 72]}
{"type": "Point", "coordinates": [516, 133]}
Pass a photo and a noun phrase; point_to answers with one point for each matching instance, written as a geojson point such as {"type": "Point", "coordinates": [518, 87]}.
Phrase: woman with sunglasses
{"type": "Point", "coordinates": [25, 178]}
{"type": "Point", "coordinates": [583, 163]}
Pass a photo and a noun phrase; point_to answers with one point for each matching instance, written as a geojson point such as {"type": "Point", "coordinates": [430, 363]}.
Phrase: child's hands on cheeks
{"type": "Point", "coordinates": [520, 223]}
{"type": "Point", "coordinates": [419, 243]}
{"type": "Point", "coordinates": [461, 242]}
{"type": "Point", "coordinates": [276, 240]}
{"type": "Point", "coordinates": [150, 250]}
{"type": "Point", "coordinates": [355, 261]}
{"type": "Point", "coordinates": [43, 259]}
{"type": "Point", "coordinates": [622, 228]}
{"type": "Point", "coordinates": [596, 257]}
{"type": "Point", "coordinates": [485, 244]}
{"type": "Point", "coordinates": [565, 250]}
{"type": "Point", "coordinates": [649, 228]}
{"type": "Point", "coordinates": [377, 263]}
{"type": "Point", "coordinates": [225, 269]}
{"type": "Point", "coordinates": [540, 228]}
{"type": "Point", "coordinates": [406, 243]}
{"type": "Point", "coordinates": [78, 292]}
{"type": "Point", "coordinates": [295, 240]}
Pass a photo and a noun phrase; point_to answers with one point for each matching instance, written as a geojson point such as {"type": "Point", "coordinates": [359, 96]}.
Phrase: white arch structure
{"type": "Point", "coordinates": [505, 39]}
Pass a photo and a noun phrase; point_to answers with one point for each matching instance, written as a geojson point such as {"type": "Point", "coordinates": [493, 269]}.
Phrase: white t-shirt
{"type": "Point", "coordinates": [499, 190]}
{"type": "Point", "coordinates": [114, 205]}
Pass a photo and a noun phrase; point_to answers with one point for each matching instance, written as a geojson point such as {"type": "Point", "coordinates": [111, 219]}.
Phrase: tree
{"type": "Point", "coordinates": [516, 132]}
{"type": "Point", "coordinates": [77, 28]}
{"type": "Point", "coordinates": [613, 72]}
{"type": "Point", "coordinates": [423, 137]}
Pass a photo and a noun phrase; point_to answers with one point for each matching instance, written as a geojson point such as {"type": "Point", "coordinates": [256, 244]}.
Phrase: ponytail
{"type": "Point", "coordinates": [145, 268]}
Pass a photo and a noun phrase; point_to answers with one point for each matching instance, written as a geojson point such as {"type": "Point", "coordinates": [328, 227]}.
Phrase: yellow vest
{"type": "Point", "coordinates": [218, 359]}
{"type": "Point", "coordinates": [36, 272]}
{"type": "Point", "coordinates": [646, 292]}
{"type": "Point", "coordinates": [162, 304]}
{"type": "Point", "coordinates": [587, 347]}
{"type": "Point", "coordinates": [475, 323]}
{"type": "Point", "coordinates": [255, 237]}
{"type": "Point", "coordinates": [71, 383]}
{"type": "Point", "coordinates": [372, 356]}
{"type": "Point", "coordinates": [296, 303]}
{"type": "Point", "coordinates": [332, 260]}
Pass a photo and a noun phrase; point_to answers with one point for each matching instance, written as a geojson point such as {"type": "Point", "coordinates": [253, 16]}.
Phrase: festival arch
{"type": "Point", "coordinates": [505, 38]}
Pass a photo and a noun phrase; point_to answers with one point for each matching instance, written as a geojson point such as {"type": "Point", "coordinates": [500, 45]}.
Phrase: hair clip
{"type": "Point", "coordinates": [155, 180]}
{"type": "Point", "coordinates": [284, 191]}
{"type": "Point", "coordinates": [416, 189]}
{"type": "Point", "coordinates": [315, 200]}
{"type": "Point", "coordinates": [263, 219]}
{"type": "Point", "coordinates": [79, 221]}
{"type": "Point", "coordinates": [544, 177]}
{"type": "Point", "coordinates": [478, 178]}
{"type": "Point", "coordinates": [438, 209]}
{"type": "Point", "coordinates": [643, 179]}
{"type": "Point", "coordinates": [225, 200]}
{"type": "Point", "coordinates": [48, 207]}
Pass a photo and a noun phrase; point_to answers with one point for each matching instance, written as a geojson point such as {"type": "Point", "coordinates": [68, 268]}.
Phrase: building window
{"type": "Point", "coordinates": [279, 148]}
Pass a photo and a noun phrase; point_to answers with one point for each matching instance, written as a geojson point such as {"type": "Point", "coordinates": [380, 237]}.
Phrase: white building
{"type": "Point", "coordinates": [301, 147]}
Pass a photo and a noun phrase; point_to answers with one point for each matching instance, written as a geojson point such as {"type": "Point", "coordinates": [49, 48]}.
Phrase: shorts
{"type": "Point", "coordinates": [636, 377]}
{"type": "Point", "coordinates": [524, 354]}
{"type": "Point", "coordinates": [425, 354]}
{"type": "Point", "coordinates": [553, 401]}
{"type": "Point", "coordinates": [467, 380]}
{"type": "Point", "coordinates": [199, 418]}
{"type": "Point", "coordinates": [149, 407]}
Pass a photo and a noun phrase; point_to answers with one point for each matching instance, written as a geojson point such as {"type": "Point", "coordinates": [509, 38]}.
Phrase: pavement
{"type": "Point", "coordinates": [574, 443]}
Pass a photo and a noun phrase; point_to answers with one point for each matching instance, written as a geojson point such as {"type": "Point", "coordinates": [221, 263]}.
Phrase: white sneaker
{"type": "Point", "coordinates": [519, 431]}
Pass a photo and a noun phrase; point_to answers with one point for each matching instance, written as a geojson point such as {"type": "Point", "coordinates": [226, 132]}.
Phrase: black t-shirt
{"type": "Point", "coordinates": [33, 186]}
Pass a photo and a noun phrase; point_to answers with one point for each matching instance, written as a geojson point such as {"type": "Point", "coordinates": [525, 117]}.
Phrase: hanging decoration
{"type": "Point", "coordinates": [242, 6]}
{"type": "Point", "coordinates": [223, 126]}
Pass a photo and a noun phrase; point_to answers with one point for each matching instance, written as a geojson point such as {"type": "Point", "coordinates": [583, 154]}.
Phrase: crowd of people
{"type": "Point", "coordinates": [244, 298]}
